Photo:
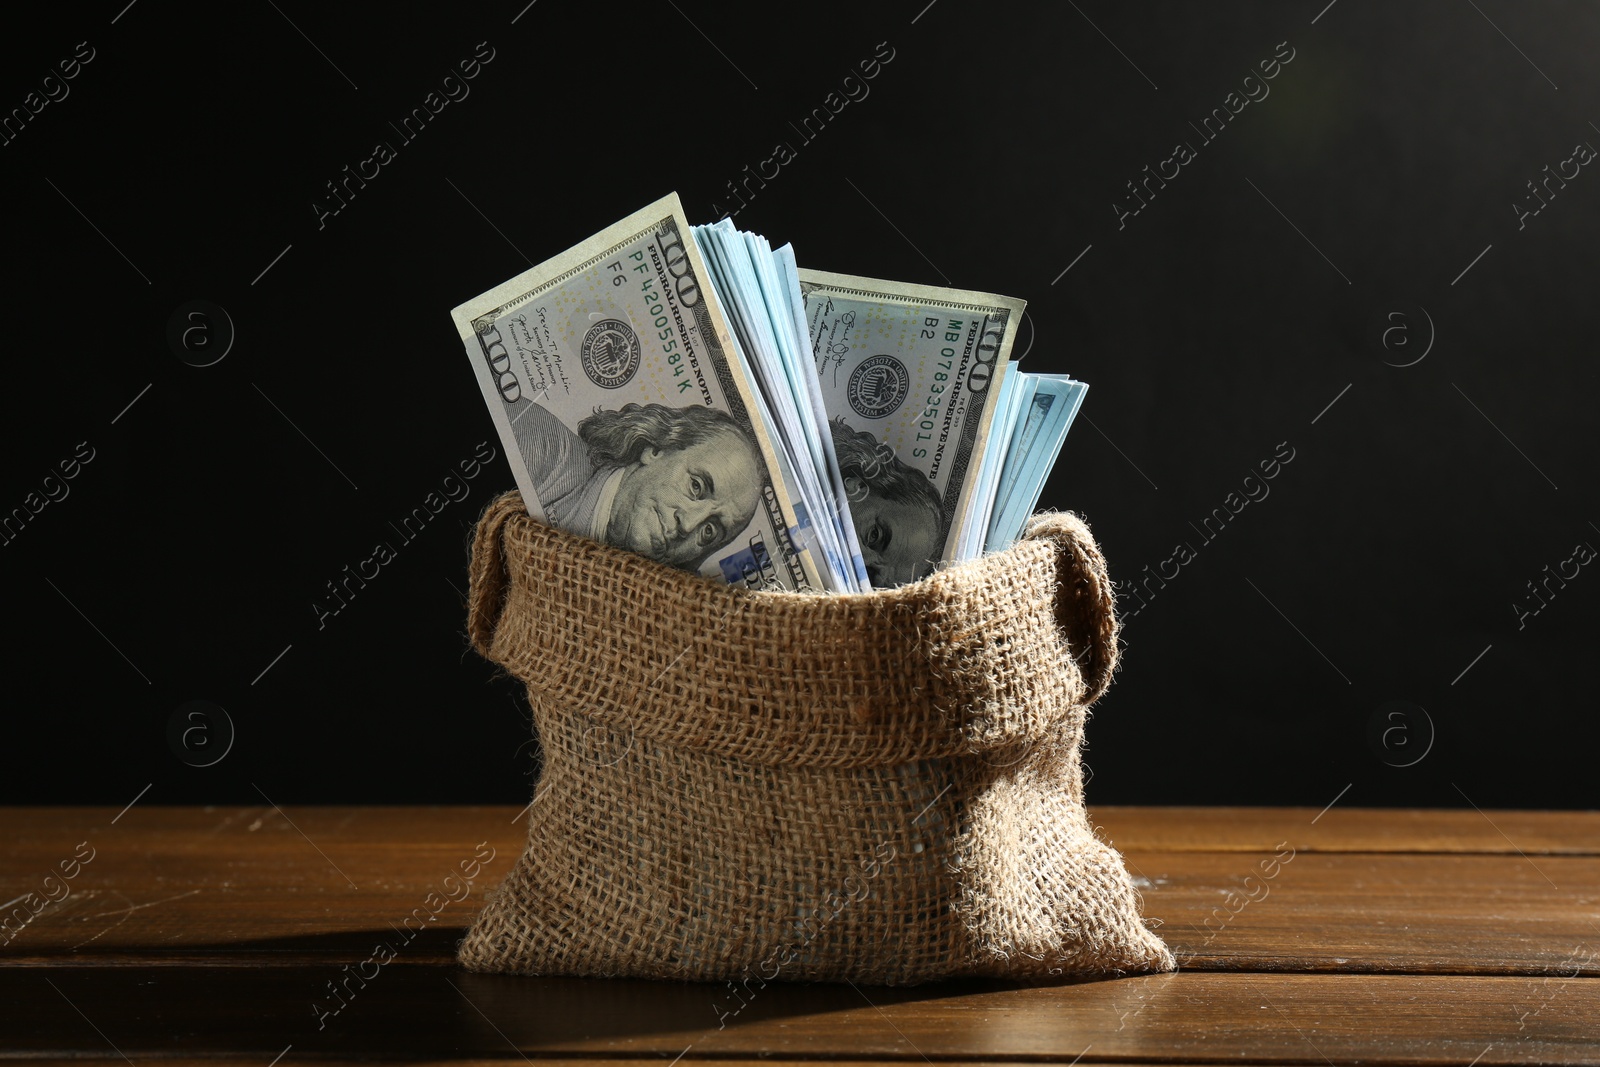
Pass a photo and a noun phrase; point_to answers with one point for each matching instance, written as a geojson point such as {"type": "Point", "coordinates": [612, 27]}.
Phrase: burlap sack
{"type": "Point", "coordinates": [752, 786]}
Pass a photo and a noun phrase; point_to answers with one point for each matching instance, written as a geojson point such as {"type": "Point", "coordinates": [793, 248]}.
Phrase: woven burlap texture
{"type": "Point", "coordinates": [753, 786]}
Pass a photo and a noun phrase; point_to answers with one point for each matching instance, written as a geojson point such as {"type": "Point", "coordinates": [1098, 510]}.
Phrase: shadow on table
{"type": "Point", "coordinates": [309, 992]}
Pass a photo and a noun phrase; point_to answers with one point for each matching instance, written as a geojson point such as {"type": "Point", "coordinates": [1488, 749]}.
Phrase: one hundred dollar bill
{"type": "Point", "coordinates": [910, 376]}
{"type": "Point", "coordinates": [625, 414]}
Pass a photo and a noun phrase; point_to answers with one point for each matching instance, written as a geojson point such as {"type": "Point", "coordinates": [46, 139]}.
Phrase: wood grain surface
{"type": "Point", "coordinates": [1339, 936]}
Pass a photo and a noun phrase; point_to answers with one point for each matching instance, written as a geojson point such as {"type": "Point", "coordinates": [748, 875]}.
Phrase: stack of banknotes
{"type": "Point", "coordinates": [691, 394]}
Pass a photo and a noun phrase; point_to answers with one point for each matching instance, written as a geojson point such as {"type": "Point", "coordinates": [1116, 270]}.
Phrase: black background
{"type": "Point", "coordinates": [1222, 320]}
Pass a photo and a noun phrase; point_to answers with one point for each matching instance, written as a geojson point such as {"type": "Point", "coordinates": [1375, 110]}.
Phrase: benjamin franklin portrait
{"type": "Point", "coordinates": [673, 484]}
{"type": "Point", "coordinates": [895, 508]}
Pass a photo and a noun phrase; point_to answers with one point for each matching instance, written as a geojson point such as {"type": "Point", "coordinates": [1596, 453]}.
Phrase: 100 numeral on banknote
{"type": "Point", "coordinates": [607, 373]}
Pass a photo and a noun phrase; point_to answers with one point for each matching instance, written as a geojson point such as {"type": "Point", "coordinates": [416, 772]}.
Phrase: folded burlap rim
{"type": "Point", "coordinates": [949, 665]}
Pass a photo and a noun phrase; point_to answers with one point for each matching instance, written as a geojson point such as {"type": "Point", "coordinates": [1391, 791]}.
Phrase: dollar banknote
{"type": "Point", "coordinates": [910, 378]}
{"type": "Point", "coordinates": [625, 415]}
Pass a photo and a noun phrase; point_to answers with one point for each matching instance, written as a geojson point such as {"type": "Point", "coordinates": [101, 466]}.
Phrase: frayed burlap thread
{"type": "Point", "coordinates": [754, 786]}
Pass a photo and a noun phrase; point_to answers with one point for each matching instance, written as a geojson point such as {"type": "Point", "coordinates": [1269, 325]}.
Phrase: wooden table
{"type": "Point", "coordinates": [198, 934]}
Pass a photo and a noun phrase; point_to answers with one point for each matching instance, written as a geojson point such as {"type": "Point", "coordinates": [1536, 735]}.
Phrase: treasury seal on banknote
{"type": "Point", "coordinates": [610, 353]}
{"type": "Point", "coordinates": [877, 386]}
